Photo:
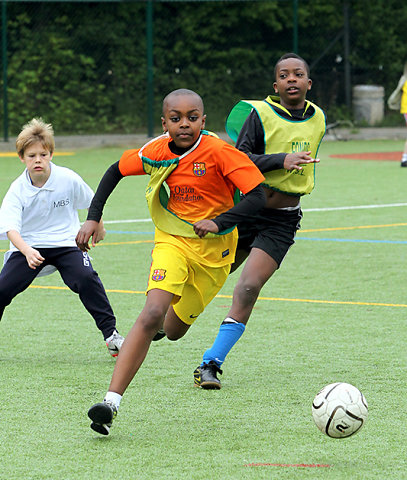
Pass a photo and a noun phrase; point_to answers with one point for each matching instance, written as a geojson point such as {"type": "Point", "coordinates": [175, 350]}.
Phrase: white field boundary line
{"type": "Point", "coordinates": [324, 209]}
{"type": "Point", "coordinates": [355, 207]}
{"type": "Point", "coordinates": [139, 220]}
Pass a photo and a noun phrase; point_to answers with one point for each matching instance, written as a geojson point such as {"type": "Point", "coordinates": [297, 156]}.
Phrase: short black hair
{"type": "Point", "coordinates": [290, 55]}
{"type": "Point", "coordinates": [182, 91]}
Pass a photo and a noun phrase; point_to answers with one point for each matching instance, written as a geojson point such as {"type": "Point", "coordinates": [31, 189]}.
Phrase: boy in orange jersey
{"type": "Point", "coordinates": [202, 174]}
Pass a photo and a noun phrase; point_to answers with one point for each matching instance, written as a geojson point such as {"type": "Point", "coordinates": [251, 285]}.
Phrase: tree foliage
{"type": "Point", "coordinates": [83, 66]}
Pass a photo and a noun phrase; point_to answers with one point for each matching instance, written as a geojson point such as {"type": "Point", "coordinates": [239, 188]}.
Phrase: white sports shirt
{"type": "Point", "coordinates": [47, 216]}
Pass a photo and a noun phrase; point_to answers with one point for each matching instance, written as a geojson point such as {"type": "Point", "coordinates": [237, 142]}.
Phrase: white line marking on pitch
{"type": "Point", "coordinates": [356, 207]}
{"type": "Point", "coordinates": [140, 220]}
{"type": "Point", "coordinates": [326, 209]}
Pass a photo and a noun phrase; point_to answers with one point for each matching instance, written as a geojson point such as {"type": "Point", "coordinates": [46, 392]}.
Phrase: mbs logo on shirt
{"type": "Point", "coordinates": [61, 203]}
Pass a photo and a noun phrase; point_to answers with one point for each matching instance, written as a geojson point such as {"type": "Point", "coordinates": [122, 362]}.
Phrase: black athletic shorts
{"type": "Point", "coordinates": [272, 231]}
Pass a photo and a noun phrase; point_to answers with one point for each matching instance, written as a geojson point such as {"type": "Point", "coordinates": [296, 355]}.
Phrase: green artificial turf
{"type": "Point", "coordinates": [335, 311]}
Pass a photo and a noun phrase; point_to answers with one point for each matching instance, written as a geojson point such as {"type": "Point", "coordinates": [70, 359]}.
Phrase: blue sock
{"type": "Point", "coordinates": [229, 333]}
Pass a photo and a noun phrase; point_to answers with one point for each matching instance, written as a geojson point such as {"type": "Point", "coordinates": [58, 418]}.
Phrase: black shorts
{"type": "Point", "coordinates": [272, 231]}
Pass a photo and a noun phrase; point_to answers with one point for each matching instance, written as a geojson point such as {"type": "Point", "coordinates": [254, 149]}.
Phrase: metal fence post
{"type": "Point", "coordinates": [150, 72]}
{"type": "Point", "coordinates": [348, 84]}
{"type": "Point", "coordinates": [295, 26]}
{"type": "Point", "coordinates": [4, 62]}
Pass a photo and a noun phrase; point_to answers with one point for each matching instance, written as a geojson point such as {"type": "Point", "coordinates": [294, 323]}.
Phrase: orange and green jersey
{"type": "Point", "coordinates": [201, 184]}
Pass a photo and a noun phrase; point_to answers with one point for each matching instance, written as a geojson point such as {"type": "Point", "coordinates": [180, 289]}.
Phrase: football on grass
{"type": "Point", "coordinates": [339, 410]}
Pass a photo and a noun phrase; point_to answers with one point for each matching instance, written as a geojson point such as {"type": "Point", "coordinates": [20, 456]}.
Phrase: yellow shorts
{"type": "Point", "coordinates": [193, 284]}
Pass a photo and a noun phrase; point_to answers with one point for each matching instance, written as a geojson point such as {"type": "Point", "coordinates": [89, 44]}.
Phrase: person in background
{"type": "Point", "coordinates": [39, 215]}
{"type": "Point", "coordinates": [398, 101]}
{"type": "Point", "coordinates": [281, 135]}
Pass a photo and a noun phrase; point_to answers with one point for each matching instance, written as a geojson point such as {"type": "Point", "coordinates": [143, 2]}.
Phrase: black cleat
{"type": "Point", "coordinates": [102, 416]}
{"type": "Point", "coordinates": [205, 376]}
{"type": "Point", "coordinates": [159, 335]}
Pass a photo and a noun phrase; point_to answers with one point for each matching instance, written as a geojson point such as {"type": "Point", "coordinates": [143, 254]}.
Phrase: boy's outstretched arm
{"type": "Point", "coordinates": [294, 161]}
{"type": "Point", "coordinates": [202, 227]}
{"type": "Point", "coordinates": [93, 227]}
{"type": "Point", "coordinates": [88, 230]}
{"type": "Point", "coordinates": [250, 204]}
{"type": "Point", "coordinates": [101, 233]}
{"type": "Point", "coordinates": [251, 142]}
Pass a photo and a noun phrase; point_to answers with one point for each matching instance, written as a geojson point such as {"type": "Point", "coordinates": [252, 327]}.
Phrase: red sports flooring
{"type": "Point", "coordinates": [387, 156]}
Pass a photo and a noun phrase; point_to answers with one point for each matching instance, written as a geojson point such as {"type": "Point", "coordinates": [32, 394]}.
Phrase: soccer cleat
{"type": "Point", "coordinates": [205, 376]}
{"type": "Point", "coordinates": [102, 416]}
{"type": "Point", "coordinates": [114, 343]}
{"type": "Point", "coordinates": [159, 335]}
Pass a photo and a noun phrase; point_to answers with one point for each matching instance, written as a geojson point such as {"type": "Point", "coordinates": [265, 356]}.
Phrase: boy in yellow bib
{"type": "Point", "coordinates": [285, 131]}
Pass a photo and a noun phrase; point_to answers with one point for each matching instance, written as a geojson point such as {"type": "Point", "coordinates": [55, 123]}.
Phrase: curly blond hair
{"type": "Point", "coordinates": [36, 130]}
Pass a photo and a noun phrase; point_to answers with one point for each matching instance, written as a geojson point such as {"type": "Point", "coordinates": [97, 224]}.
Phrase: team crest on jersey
{"type": "Point", "coordinates": [158, 274]}
{"type": "Point", "coordinates": [199, 169]}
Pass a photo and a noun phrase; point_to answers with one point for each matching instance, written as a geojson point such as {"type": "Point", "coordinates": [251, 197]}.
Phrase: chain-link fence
{"type": "Point", "coordinates": [104, 66]}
